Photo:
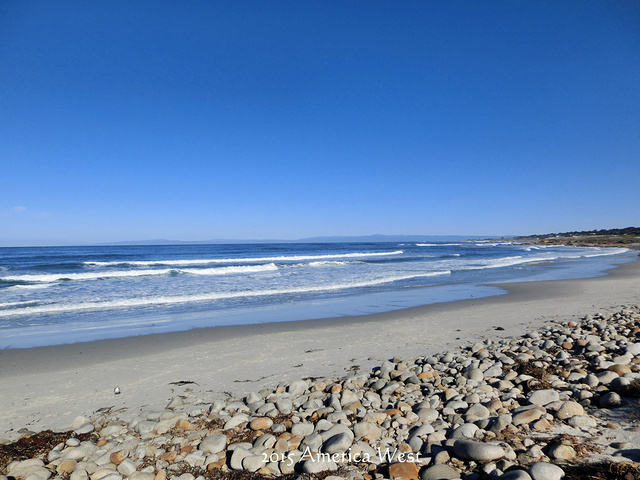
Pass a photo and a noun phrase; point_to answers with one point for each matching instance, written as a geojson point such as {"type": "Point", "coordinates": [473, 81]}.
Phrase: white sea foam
{"type": "Point", "coordinates": [205, 261]}
{"type": "Point", "coordinates": [519, 259]}
{"type": "Point", "coordinates": [269, 267]}
{"type": "Point", "coordinates": [324, 264]}
{"type": "Point", "coordinates": [56, 277]}
{"type": "Point", "coordinates": [438, 244]}
{"type": "Point", "coordinates": [608, 251]}
{"type": "Point", "coordinates": [492, 244]}
{"type": "Point", "coordinates": [505, 262]}
{"type": "Point", "coordinates": [206, 297]}
{"type": "Point", "coordinates": [16, 304]}
{"type": "Point", "coordinates": [34, 286]}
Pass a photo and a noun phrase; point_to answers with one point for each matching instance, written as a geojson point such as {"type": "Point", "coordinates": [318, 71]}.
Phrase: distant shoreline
{"type": "Point", "coordinates": [628, 237]}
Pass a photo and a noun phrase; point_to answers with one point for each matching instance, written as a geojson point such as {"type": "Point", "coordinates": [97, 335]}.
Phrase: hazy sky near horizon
{"type": "Point", "coordinates": [194, 120]}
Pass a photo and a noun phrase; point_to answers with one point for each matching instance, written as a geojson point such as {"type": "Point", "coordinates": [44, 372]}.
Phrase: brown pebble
{"type": "Point", "coordinates": [216, 465]}
{"type": "Point", "coordinates": [542, 424]}
{"type": "Point", "coordinates": [393, 411]}
{"type": "Point", "coordinates": [260, 423]}
{"type": "Point", "coordinates": [66, 467]}
{"type": "Point", "coordinates": [354, 406]}
{"type": "Point", "coordinates": [117, 457]}
{"type": "Point", "coordinates": [282, 445]}
{"type": "Point", "coordinates": [619, 369]}
{"type": "Point", "coordinates": [183, 424]}
{"type": "Point", "coordinates": [404, 471]}
{"type": "Point", "coordinates": [427, 375]}
{"type": "Point", "coordinates": [169, 456]}
{"type": "Point", "coordinates": [404, 448]}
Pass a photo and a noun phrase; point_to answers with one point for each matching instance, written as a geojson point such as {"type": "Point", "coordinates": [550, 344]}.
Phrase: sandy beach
{"type": "Point", "coordinates": [48, 387]}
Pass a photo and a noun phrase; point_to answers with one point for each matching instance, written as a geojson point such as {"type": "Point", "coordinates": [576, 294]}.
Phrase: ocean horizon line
{"type": "Point", "coordinates": [376, 238]}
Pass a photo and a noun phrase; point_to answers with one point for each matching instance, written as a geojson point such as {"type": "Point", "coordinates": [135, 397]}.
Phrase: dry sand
{"type": "Point", "coordinates": [48, 387]}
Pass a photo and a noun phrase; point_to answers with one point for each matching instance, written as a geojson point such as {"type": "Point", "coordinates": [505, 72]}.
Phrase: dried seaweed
{"type": "Point", "coordinates": [603, 471]}
{"type": "Point", "coordinates": [34, 446]}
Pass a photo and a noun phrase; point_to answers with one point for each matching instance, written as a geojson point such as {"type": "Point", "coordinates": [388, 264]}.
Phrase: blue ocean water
{"type": "Point", "coordinates": [54, 295]}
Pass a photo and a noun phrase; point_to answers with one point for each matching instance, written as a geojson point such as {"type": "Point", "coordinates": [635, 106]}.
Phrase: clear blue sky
{"type": "Point", "coordinates": [129, 120]}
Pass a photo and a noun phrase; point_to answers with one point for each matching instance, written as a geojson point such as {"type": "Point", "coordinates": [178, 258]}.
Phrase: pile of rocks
{"type": "Point", "coordinates": [510, 409]}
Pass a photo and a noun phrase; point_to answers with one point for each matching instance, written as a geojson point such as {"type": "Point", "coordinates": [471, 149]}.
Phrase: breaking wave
{"type": "Point", "coordinates": [206, 297]}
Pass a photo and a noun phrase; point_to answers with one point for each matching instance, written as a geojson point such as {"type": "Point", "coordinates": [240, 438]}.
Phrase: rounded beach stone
{"type": "Point", "coordinates": [88, 428]}
{"type": "Point", "coordinates": [527, 416]}
{"type": "Point", "coordinates": [476, 412]}
{"type": "Point", "coordinates": [439, 472]}
{"type": "Point", "coordinates": [619, 383]}
{"type": "Point", "coordinates": [144, 427]}
{"type": "Point", "coordinates": [102, 471]}
{"type": "Point", "coordinates": [77, 474]}
{"type": "Point", "coordinates": [284, 405]}
{"type": "Point", "coordinates": [619, 369]}
{"type": "Point", "coordinates": [415, 443]}
{"type": "Point", "coordinates": [427, 414]}
{"type": "Point", "coordinates": [368, 431]}
{"type": "Point", "coordinates": [297, 388]}
{"type": "Point", "coordinates": [606, 377]}
{"type": "Point", "coordinates": [253, 463]}
{"type": "Point", "coordinates": [66, 466]}
{"type": "Point", "coordinates": [112, 476]}
{"type": "Point", "coordinates": [562, 452]}
{"type": "Point", "coordinates": [302, 429]}
{"type": "Point", "coordinates": [543, 397]}
{"type": "Point", "coordinates": [569, 409]}
{"type": "Point", "coordinates": [610, 400]}
{"type": "Point", "coordinates": [545, 471]}
{"type": "Point", "coordinates": [475, 374]}
{"type": "Point", "coordinates": [515, 475]}
{"type": "Point", "coordinates": [79, 421]}
{"type": "Point", "coordinates": [582, 421]}
{"type": "Point", "coordinates": [478, 451]}
{"type": "Point", "coordinates": [337, 444]}
{"type": "Point", "coordinates": [424, 429]}
{"type": "Point", "coordinates": [261, 423]}
{"type": "Point", "coordinates": [235, 421]}
{"type": "Point", "coordinates": [466, 430]}
{"type": "Point", "coordinates": [633, 349]}
{"type": "Point", "coordinates": [237, 457]}
{"type": "Point", "coordinates": [317, 465]}
{"type": "Point", "coordinates": [127, 467]}
{"type": "Point", "coordinates": [348, 397]}
{"type": "Point", "coordinates": [117, 457]}
{"type": "Point", "coordinates": [142, 476]}
{"type": "Point", "coordinates": [403, 471]}
{"type": "Point", "coordinates": [335, 430]}
{"type": "Point", "coordinates": [213, 444]}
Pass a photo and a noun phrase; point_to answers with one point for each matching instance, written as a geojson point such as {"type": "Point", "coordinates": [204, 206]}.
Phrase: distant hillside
{"type": "Point", "coordinates": [629, 236]}
{"type": "Point", "coordinates": [612, 231]}
{"type": "Point", "coordinates": [327, 239]}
